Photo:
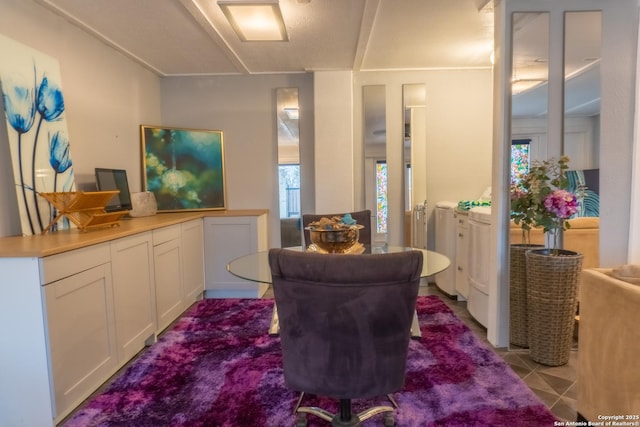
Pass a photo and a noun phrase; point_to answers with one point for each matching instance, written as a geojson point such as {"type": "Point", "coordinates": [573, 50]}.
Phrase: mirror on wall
{"type": "Point", "coordinates": [287, 118]}
{"type": "Point", "coordinates": [581, 120]}
{"type": "Point", "coordinates": [529, 89]}
{"type": "Point", "coordinates": [529, 123]}
{"type": "Point", "coordinates": [375, 158]}
{"type": "Point", "coordinates": [414, 155]}
{"type": "Point", "coordinates": [582, 111]}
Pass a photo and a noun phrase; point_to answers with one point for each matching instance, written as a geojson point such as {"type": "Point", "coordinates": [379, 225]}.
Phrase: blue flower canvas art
{"type": "Point", "coordinates": [36, 132]}
{"type": "Point", "coordinates": [184, 168]}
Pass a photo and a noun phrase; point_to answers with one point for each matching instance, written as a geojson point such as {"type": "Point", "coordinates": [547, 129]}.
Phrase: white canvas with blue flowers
{"type": "Point", "coordinates": [37, 132]}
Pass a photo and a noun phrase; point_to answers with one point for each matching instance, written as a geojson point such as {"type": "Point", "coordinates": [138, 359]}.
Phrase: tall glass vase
{"type": "Point", "coordinates": [552, 295]}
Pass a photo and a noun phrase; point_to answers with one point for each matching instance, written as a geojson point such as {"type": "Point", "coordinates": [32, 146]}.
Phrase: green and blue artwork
{"type": "Point", "coordinates": [184, 168]}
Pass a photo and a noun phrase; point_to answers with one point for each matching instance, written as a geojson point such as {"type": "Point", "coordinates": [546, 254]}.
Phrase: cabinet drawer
{"type": "Point", "coordinates": [59, 266]}
{"type": "Point", "coordinates": [166, 234]}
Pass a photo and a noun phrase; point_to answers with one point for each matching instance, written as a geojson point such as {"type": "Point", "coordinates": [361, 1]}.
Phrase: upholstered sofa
{"type": "Point", "coordinates": [583, 237]}
{"type": "Point", "coordinates": [609, 344]}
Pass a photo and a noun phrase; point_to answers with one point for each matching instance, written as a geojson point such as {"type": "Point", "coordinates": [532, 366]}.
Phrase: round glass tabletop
{"type": "Point", "coordinates": [255, 267]}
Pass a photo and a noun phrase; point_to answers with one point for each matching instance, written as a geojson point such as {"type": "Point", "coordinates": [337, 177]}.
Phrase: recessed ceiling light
{"type": "Point", "coordinates": [255, 20]}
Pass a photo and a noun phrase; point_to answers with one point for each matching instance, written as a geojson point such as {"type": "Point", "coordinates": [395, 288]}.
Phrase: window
{"type": "Point", "coordinates": [289, 190]}
{"type": "Point", "coordinates": [520, 158]}
{"type": "Point", "coordinates": [381, 196]}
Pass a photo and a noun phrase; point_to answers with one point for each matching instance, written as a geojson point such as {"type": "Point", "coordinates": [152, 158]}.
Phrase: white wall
{"type": "Point", "coordinates": [581, 139]}
{"type": "Point", "coordinates": [458, 136]}
{"type": "Point", "coordinates": [244, 109]}
{"type": "Point", "coordinates": [333, 141]}
{"type": "Point", "coordinates": [107, 97]}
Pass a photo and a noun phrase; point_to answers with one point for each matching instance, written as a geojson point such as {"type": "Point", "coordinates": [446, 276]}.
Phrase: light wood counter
{"type": "Point", "coordinates": [43, 245]}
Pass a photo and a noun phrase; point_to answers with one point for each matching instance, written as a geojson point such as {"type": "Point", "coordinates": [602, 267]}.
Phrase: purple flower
{"type": "Point", "coordinates": [561, 203]}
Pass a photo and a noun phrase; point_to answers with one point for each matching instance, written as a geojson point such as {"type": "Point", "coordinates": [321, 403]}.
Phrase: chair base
{"type": "Point", "coordinates": [344, 418]}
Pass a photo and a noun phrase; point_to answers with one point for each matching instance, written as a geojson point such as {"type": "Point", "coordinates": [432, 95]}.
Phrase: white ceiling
{"type": "Point", "coordinates": [192, 37]}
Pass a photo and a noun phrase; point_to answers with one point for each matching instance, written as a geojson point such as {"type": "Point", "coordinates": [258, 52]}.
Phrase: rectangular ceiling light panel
{"type": "Point", "coordinates": [255, 20]}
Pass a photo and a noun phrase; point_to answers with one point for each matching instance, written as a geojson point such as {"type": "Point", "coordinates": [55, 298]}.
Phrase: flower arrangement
{"type": "Point", "coordinates": [539, 198]}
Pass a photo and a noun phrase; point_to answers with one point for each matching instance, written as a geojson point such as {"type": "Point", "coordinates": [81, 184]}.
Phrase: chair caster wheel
{"type": "Point", "coordinates": [389, 420]}
{"type": "Point", "coordinates": [301, 420]}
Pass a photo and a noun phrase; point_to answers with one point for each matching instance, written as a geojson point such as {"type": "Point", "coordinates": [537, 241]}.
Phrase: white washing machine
{"type": "Point", "coordinates": [480, 259]}
{"type": "Point", "coordinates": [445, 225]}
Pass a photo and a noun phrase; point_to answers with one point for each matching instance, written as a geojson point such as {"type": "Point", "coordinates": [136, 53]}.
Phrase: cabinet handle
{"type": "Point", "coordinates": [460, 235]}
{"type": "Point", "coordinates": [459, 268]}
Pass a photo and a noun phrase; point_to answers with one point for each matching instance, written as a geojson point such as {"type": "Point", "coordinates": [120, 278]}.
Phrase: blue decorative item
{"type": "Point", "coordinates": [34, 106]}
{"type": "Point", "coordinates": [347, 219]}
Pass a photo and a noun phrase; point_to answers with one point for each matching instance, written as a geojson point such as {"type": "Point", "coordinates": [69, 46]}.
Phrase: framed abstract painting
{"type": "Point", "coordinates": [36, 131]}
{"type": "Point", "coordinates": [183, 168]}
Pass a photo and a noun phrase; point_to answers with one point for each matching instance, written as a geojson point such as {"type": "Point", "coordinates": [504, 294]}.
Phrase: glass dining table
{"type": "Point", "coordinates": [255, 267]}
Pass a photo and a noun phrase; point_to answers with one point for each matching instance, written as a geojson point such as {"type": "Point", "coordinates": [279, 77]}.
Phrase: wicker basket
{"type": "Point", "coordinates": [518, 322]}
{"type": "Point", "coordinates": [552, 295]}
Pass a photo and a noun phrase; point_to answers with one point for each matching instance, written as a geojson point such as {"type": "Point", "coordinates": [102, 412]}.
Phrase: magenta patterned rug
{"type": "Point", "coordinates": [217, 367]}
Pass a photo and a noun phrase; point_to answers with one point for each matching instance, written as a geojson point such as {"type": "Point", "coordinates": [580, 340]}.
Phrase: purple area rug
{"type": "Point", "coordinates": [217, 367]}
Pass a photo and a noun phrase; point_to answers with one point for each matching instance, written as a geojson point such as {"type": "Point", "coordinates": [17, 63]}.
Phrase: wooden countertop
{"type": "Point", "coordinates": [43, 245]}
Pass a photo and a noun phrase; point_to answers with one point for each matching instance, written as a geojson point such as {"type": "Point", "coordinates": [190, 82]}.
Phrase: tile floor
{"type": "Point", "coordinates": [556, 386]}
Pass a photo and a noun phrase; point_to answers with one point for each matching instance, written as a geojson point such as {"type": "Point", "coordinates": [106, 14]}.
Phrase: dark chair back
{"type": "Point", "coordinates": [362, 217]}
{"type": "Point", "coordinates": [345, 320]}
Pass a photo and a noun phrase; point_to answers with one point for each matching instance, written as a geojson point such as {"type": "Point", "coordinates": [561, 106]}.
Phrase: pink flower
{"type": "Point", "coordinates": [561, 203]}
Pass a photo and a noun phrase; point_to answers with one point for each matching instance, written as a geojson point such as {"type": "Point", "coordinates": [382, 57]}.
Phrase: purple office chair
{"type": "Point", "coordinates": [345, 325]}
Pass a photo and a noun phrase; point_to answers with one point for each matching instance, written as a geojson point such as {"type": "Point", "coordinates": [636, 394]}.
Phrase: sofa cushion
{"type": "Point", "coordinates": [630, 273]}
{"type": "Point", "coordinates": [585, 222]}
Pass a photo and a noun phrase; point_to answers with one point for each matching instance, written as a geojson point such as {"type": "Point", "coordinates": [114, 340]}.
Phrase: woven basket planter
{"type": "Point", "coordinates": [518, 315]}
{"type": "Point", "coordinates": [552, 295]}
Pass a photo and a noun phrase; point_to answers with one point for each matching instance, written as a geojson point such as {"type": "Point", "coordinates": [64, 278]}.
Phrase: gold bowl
{"type": "Point", "coordinates": [335, 241]}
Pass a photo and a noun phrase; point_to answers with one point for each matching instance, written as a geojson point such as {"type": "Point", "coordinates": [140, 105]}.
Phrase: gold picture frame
{"type": "Point", "coordinates": [184, 168]}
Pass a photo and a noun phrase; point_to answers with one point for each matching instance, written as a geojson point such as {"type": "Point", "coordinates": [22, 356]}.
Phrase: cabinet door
{"type": "Point", "coordinates": [462, 254]}
{"type": "Point", "coordinates": [133, 293]}
{"type": "Point", "coordinates": [81, 331]}
{"type": "Point", "coordinates": [167, 261]}
{"type": "Point", "coordinates": [227, 238]}
{"type": "Point", "coordinates": [192, 261]}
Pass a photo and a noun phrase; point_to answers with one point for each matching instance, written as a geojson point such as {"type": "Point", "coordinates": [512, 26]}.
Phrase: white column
{"type": "Point", "coordinates": [634, 210]}
{"type": "Point", "coordinates": [333, 110]}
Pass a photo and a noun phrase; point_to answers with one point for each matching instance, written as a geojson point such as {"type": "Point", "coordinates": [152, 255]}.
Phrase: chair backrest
{"type": "Point", "coordinates": [345, 320]}
{"type": "Point", "coordinates": [362, 217]}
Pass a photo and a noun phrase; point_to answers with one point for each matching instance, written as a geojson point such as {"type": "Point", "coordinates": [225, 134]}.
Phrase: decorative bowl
{"type": "Point", "coordinates": [335, 241]}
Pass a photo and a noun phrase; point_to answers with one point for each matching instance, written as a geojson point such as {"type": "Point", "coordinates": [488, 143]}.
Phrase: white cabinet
{"type": "Point", "coordinates": [446, 244]}
{"type": "Point", "coordinates": [462, 254]}
{"type": "Point", "coordinates": [479, 260]}
{"type": "Point", "coordinates": [192, 261]}
{"type": "Point", "coordinates": [167, 262]}
{"type": "Point", "coordinates": [133, 293]}
{"type": "Point", "coordinates": [227, 238]}
{"type": "Point", "coordinates": [77, 306]}
{"type": "Point", "coordinates": [80, 326]}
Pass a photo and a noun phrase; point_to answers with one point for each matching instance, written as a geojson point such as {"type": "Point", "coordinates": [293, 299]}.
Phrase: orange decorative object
{"type": "Point", "coordinates": [84, 208]}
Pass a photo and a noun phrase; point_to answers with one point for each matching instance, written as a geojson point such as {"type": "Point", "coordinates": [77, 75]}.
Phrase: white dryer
{"type": "Point", "coordinates": [480, 259]}
{"type": "Point", "coordinates": [445, 225]}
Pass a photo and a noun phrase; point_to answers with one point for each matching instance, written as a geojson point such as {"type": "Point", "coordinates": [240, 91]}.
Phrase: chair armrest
{"type": "Point", "coordinates": [608, 345]}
